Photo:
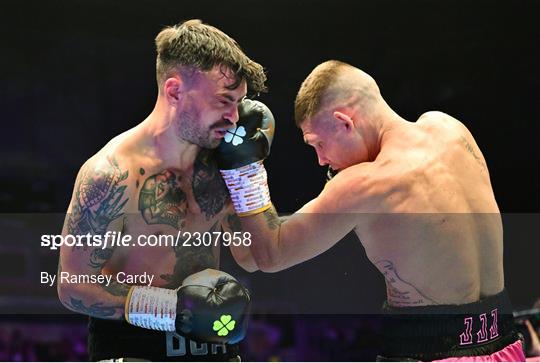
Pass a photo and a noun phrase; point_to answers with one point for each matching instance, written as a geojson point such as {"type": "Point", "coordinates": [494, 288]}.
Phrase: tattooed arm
{"type": "Point", "coordinates": [242, 254]}
{"type": "Point", "coordinates": [97, 206]}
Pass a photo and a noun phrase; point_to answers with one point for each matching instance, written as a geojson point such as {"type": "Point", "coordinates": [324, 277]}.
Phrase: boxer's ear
{"type": "Point", "coordinates": [344, 121]}
{"type": "Point", "coordinates": [172, 88]}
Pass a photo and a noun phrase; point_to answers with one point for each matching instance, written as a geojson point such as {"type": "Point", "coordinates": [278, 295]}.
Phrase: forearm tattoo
{"type": "Point", "coordinates": [116, 289]}
{"type": "Point", "coordinates": [272, 219]}
{"type": "Point", "coordinates": [97, 310]}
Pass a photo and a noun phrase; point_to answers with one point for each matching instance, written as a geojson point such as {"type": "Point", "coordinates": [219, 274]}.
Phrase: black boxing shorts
{"type": "Point", "coordinates": [483, 330]}
{"type": "Point", "coordinates": [114, 339]}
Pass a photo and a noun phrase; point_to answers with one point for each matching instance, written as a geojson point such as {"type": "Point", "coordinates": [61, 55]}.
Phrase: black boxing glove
{"type": "Point", "coordinates": [240, 155]}
{"type": "Point", "coordinates": [250, 139]}
{"type": "Point", "coordinates": [210, 306]}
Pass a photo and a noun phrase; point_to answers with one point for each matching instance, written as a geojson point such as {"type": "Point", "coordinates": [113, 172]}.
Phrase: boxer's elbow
{"type": "Point", "coordinates": [243, 258]}
{"type": "Point", "coordinates": [78, 297]}
{"type": "Point", "coordinates": [65, 293]}
{"type": "Point", "coordinates": [248, 265]}
{"type": "Point", "coordinates": [250, 268]}
{"type": "Point", "coordinates": [70, 293]}
{"type": "Point", "coordinates": [270, 268]}
{"type": "Point", "coordinates": [269, 256]}
{"type": "Point", "coordinates": [268, 263]}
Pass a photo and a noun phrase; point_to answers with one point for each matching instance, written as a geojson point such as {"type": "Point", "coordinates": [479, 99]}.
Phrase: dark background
{"type": "Point", "coordinates": [74, 74]}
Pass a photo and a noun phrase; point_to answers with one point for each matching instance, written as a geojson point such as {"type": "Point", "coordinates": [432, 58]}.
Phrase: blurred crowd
{"type": "Point", "coordinates": [270, 338]}
{"type": "Point", "coordinates": [20, 343]}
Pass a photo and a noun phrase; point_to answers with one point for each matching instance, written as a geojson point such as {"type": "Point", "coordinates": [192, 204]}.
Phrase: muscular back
{"type": "Point", "coordinates": [433, 227]}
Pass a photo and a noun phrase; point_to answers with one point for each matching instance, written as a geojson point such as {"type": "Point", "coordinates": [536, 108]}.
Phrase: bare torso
{"type": "Point", "coordinates": [156, 202]}
{"type": "Point", "coordinates": [432, 226]}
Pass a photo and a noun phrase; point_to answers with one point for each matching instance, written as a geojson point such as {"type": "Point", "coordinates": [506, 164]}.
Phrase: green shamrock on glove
{"type": "Point", "coordinates": [224, 325]}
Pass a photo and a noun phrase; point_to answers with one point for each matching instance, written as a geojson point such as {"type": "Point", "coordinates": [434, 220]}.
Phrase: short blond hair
{"type": "Point", "coordinates": [312, 91]}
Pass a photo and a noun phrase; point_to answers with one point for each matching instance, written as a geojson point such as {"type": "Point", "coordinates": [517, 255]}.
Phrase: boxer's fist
{"type": "Point", "coordinates": [249, 141]}
{"type": "Point", "coordinates": [212, 306]}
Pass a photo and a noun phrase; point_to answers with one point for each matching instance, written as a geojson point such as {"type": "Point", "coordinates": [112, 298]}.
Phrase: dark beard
{"type": "Point", "coordinates": [189, 129]}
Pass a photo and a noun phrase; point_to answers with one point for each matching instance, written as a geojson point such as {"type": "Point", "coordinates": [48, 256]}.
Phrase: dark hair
{"type": "Point", "coordinates": [192, 45]}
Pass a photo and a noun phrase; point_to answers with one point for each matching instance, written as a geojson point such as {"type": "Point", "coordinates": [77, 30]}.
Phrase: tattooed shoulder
{"type": "Point", "coordinates": [98, 198]}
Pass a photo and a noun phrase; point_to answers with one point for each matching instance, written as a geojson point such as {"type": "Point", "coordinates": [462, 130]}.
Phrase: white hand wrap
{"type": "Point", "coordinates": [151, 308]}
{"type": "Point", "coordinates": [248, 188]}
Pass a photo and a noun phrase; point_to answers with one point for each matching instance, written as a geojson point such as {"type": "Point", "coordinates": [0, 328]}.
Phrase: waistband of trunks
{"type": "Point", "coordinates": [108, 339]}
{"type": "Point", "coordinates": [440, 331]}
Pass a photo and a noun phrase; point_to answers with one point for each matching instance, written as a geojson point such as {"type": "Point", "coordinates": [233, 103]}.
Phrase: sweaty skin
{"type": "Point", "coordinates": [147, 181]}
{"type": "Point", "coordinates": [423, 208]}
